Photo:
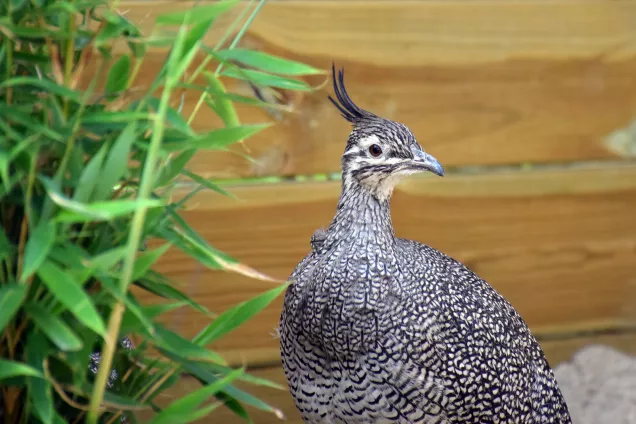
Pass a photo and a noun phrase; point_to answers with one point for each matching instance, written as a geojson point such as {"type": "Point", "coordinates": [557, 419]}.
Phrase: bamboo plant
{"type": "Point", "coordinates": [88, 171]}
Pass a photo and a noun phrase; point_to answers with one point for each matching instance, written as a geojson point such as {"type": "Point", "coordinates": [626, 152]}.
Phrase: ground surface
{"type": "Point", "coordinates": [599, 385]}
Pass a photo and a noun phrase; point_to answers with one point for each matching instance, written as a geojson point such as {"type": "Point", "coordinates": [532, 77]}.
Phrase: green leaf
{"type": "Point", "coordinates": [5, 245]}
{"type": "Point", "coordinates": [45, 85]}
{"type": "Point", "coordinates": [191, 243]}
{"type": "Point", "coordinates": [267, 62]}
{"type": "Point", "coordinates": [71, 294]}
{"type": "Point", "coordinates": [116, 163]}
{"type": "Point", "coordinates": [37, 248]}
{"type": "Point", "coordinates": [146, 260]}
{"type": "Point", "coordinates": [175, 166]}
{"type": "Point", "coordinates": [90, 177]}
{"type": "Point", "coordinates": [10, 369]}
{"type": "Point", "coordinates": [197, 14]}
{"type": "Point", "coordinates": [108, 259]}
{"type": "Point", "coordinates": [131, 304]}
{"type": "Point", "coordinates": [11, 297]}
{"type": "Point", "coordinates": [15, 114]}
{"type": "Point", "coordinates": [267, 80]}
{"type": "Point", "coordinates": [4, 168]}
{"type": "Point", "coordinates": [103, 118]}
{"type": "Point", "coordinates": [239, 314]}
{"type": "Point", "coordinates": [118, 75]}
{"type": "Point", "coordinates": [54, 328]}
{"type": "Point", "coordinates": [97, 211]}
{"type": "Point", "coordinates": [190, 46]}
{"type": "Point", "coordinates": [184, 348]}
{"type": "Point", "coordinates": [40, 391]}
{"type": "Point", "coordinates": [131, 322]}
{"type": "Point", "coordinates": [154, 285]}
{"type": "Point", "coordinates": [173, 117]}
{"type": "Point", "coordinates": [217, 139]}
{"type": "Point", "coordinates": [105, 211]}
{"type": "Point", "coordinates": [207, 183]}
{"type": "Point", "coordinates": [216, 94]}
{"type": "Point", "coordinates": [202, 372]}
{"type": "Point", "coordinates": [187, 404]}
{"type": "Point", "coordinates": [223, 105]}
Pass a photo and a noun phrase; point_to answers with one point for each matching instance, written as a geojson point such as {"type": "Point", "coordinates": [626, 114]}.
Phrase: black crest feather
{"type": "Point", "coordinates": [344, 104]}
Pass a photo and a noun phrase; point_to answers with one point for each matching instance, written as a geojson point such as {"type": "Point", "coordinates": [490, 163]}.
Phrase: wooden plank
{"type": "Point", "coordinates": [479, 82]}
{"type": "Point", "coordinates": [560, 245]}
{"type": "Point", "coordinates": [556, 351]}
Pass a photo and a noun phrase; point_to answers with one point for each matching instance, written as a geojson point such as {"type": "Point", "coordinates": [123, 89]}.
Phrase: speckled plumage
{"type": "Point", "coordinates": [379, 329]}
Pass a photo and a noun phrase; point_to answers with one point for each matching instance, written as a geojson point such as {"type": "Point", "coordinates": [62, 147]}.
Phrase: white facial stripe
{"type": "Point", "coordinates": [366, 142]}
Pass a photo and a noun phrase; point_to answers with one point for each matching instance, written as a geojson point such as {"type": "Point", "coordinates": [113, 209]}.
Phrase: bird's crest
{"type": "Point", "coordinates": [349, 110]}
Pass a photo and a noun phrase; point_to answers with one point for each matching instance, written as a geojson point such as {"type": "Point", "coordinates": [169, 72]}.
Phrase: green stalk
{"type": "Point", "coordinates": [241, 32]}
{"type": "Point", "coordinates": [238, 37]}
{"type": "Point", "coordinates": [68, 60]}
{"type": "Point", "coordinates": [137, 223]}
{"type": "Point", "coordinates": [47, 209]}
{"type": "Point", "coordinates": [225, 36]}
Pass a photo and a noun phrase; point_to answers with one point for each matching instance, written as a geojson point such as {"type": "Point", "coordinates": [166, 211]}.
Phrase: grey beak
{"type": "Point", "coordinates": [423, 160]}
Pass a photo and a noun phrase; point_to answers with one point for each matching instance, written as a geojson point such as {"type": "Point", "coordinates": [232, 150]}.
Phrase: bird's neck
{"type": "Point", "coordinates": [361, 216]}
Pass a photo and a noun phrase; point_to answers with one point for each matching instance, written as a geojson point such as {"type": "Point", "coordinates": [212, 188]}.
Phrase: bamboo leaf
{"type": "Point", "coordinates": [38, 247]}
{"type": "Point", "coordinates": [146, 260]}
{"type": "Point", "coordinates": [203, 372]}
{"type": "Point", "coordinates": [90, 176]}
{"type": "Point", "coordinates": [11, 297]}
{"type": "Point", "coordinates": [118, 76]}
{"type": "Point", "coordinates": [265, 79]}
{"type": "Point", "coordinates": [223, 105]}
{"type": "Point", "coordinates": [131, 322]}
{"type": "Point", "coordinates": [175, 166]}
{"type": "Point", "coordinates": [184, 348]}
{"type": "Point", "coordinates": [105, 211]}
{"type": "Point", "coordinates": [106, 260]}
{"type": "Point", "coordinates": [10, 369]}
{"type": "Point", "coordinates": [5, 246]}
{"type": "Point", "coordinates": [190, 243]}
{"type": "Point", "coordinates": [116, 163]}
{"type": "Point", "coordinates": [207, 183]}
{"type": "Point", "coordinates": [187, 404]}
{"type": "Point", "coordinates": [55, 329]}
{"type": "Point", "coordinates": [70, 293]}
{"type": "Point", "coordinates": [45, 85]}
{"type": "Point", "coordinates": [40, 391]}
{"type": "Point", "coordinates": [267, 62]}
{"type": "Point", "coordinates": [154, 285]}
{"type": "Point", "coordinates": [131, 305]}
{"type": "Point", "coordinates": [15, 114]}
{"type": "Point", "coordinates": [239, 314]}
{"type": "Point", "coordinates": [197, 14]}
{"type": "Point", "coordinates": [216, 139]}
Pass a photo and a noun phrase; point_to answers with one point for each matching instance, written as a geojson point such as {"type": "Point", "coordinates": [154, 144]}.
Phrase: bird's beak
{"type": "Point", "coordinates": [423, 161]}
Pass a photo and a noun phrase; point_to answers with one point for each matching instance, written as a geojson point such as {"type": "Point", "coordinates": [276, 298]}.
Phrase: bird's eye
{"type": "Point", "coordinates": [375, 150]}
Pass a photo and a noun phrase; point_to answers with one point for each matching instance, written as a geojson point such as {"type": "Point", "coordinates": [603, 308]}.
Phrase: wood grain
{"type": "Point", "coordinates": [479, 82]}
{"type": "Point", "coordinates": [556, 351]}
{"type": "Point", "coordinates": [560, 245]}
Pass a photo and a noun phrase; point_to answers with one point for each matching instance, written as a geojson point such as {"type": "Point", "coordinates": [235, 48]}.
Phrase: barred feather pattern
{"type": "Point", "coordinates": [379, 329]}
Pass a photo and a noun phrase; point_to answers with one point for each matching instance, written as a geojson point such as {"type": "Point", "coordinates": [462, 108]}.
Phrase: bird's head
{"type": "Point", "coordinates": [379, 151]}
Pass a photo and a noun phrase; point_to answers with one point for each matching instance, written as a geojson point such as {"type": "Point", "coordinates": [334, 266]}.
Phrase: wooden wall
{"type": "Point", "coordinates": [487, 87]}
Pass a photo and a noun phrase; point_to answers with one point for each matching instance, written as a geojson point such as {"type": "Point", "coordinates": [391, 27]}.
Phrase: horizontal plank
{"type": "Point", "coordinates": [560, 245]}
{"type": "Point", "coordinates": [556, 352]}
{"type": "Point", "coordinates": [479, 83]}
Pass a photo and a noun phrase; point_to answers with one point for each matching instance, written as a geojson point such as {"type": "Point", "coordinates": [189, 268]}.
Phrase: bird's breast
{"type": "Point", "coordinates": [346, 304]}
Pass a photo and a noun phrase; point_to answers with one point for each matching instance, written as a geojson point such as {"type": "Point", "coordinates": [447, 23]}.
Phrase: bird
{"type": "Point", "coordinates": [380, 329]}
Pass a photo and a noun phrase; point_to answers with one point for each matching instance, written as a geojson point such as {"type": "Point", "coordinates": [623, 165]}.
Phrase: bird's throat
{"type": "Point", "coordinates": [361, 216]}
